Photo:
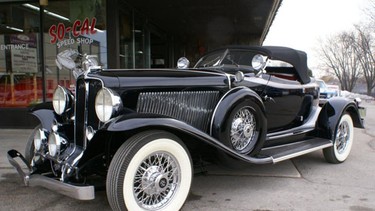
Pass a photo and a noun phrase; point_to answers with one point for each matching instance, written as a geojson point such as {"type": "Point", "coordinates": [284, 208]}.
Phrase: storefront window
{"type": "Point", "coordinates": [126, 38]}
{"type": "Point", "coordinates": [20, 78]}
{"type": "Point", "coordinates": [142, 44]}
{"type": "Point", "coordinates": [80, 26]}
{"type": "Point", "coordinates": [73, 24]}
{"type": "Point", "coordinates": [134, 39]}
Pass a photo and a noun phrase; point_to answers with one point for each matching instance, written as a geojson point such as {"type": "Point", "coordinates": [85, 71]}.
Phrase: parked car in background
{"type": "Point", "coordinates": [335, 88]}
{"type": "Point", "coordinates": [141, 130]}
{"type": "Point", "coordinates": [326, 92]}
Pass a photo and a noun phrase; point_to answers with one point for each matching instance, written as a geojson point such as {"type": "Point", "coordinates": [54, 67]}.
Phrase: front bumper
{"type": "Point", "coordinates": [73, 191]}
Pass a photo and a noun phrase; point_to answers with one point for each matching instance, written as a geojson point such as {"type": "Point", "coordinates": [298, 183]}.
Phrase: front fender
{"type": "Point", "coordinates": [45, 113]}
{"type": "Point", "coordinates": [138, 122]}
{"type": "Point", "coordinates": [332, 111]}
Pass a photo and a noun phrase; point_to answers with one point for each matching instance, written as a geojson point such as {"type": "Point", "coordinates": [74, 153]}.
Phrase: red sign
{"type": "Point", "coordinates": [57, 32]}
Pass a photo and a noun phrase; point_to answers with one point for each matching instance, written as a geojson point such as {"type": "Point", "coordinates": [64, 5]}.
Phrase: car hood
{"type": "Point", "coordinates": [148, 78]}
{"type": "Point", "coordinates": [327, 91]}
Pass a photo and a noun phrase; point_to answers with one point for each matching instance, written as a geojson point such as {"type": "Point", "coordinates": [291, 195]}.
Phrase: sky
{"type": "Point", "coordinates": [302, 24]}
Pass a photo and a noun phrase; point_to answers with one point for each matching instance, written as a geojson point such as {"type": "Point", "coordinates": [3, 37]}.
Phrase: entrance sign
{"type": "Point", "coordinates": [24, 60]}
{"type": "Point", "coordinates": [23, 53]}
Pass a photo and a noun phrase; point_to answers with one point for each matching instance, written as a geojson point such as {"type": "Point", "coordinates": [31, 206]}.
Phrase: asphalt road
{"type": "Point", "coordinates": [304, 183]}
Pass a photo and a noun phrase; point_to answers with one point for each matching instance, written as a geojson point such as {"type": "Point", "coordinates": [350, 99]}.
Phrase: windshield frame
{"type": "Point", "coordinates": [215, 62]}
{"type": "Point", "coordinates": [229, 60]}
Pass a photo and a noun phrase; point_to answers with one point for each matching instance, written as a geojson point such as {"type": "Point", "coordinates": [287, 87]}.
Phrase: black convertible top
{"type": "Point", "coordinates": [294, 57]}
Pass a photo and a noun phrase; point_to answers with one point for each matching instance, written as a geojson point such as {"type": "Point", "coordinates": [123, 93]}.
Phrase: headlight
{"type": "Point", "coordinates": [107, 103]}
{"type": "Point", "coordinates": [183, 63]}
{"type": "Point", "coordinates": [258, 62]}
{"type": "Point", "coordinates": [54, 144]}
{"type": "Point", "coordinates": [61, 100]}
{"type": "Point", "coordinates": [40, 138]}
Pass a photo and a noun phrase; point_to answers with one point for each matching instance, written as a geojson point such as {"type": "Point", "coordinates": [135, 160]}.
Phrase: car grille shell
{"type": "Point", "coordinates": [85, 115]}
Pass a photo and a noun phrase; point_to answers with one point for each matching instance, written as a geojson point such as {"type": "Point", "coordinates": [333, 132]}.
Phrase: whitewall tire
{"type": "Point", "coordinates": [150, 171]}
{"type": "Point", "coordinates": [343, 142]}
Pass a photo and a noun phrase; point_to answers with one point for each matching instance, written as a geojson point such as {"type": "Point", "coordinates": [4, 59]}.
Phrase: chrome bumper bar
{"type": "Point", "coordinates": [73, 191]}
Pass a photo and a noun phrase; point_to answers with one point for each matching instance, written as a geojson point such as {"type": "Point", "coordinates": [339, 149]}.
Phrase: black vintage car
{"type": "Point", "coordinates": [141, 130]}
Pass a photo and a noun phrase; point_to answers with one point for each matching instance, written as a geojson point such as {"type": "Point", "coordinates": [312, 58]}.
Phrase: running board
{"type": "Point", "coordinates": [288, 151]}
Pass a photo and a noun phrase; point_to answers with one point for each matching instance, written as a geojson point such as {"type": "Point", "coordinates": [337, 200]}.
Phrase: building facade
{"type": "Point", "coordinates": [122, 34]}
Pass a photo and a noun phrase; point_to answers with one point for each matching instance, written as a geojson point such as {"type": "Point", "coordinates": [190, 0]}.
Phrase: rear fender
{"type": "Point", "coordinates": [331, 113]}
{"type": "Point", "coordinates": [228, 102]}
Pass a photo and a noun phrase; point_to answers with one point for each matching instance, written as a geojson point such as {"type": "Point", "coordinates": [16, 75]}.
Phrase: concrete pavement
{"type": "Point", "coordinates": [304, 183]}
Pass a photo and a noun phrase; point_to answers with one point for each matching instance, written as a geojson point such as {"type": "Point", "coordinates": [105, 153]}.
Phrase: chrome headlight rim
{"type": "Point", "coordinates": [40, 139]}
{"type": "Point", "coordinates": [54, 144]}
{"type": "Point", "coordinates": [107, 104]}
{"type": "Point", "coordinates": [61, 100]}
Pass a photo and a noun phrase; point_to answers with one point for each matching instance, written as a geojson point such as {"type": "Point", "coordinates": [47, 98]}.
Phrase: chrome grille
{"type": "Point", "coordinates": [85, 108]}
{"type": "Point", "coordinates": [192, 107]}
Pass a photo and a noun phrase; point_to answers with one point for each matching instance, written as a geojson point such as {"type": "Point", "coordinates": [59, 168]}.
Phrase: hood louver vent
{"type": "Point", "coordinates": [192, 107]}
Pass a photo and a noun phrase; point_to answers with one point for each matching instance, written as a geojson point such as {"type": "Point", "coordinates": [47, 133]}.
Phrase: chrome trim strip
{"type": "Point", "coordinates": [75, 113]}
{"type": "Point", "coordinates": [307, 127]}
{"type": "Point", "coordinates": [86, 114]}
{"type": "Point", "coordinates": [217, 105]}
{"type": "Point", "coordinates": [298, 132]}
{"type": "Point", "coordinates": [293, 155]}
{"type": "Point", "coordinates": [229, 81]}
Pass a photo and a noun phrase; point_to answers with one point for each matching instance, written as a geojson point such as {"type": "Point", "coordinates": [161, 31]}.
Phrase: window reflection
{"type": "Point", "coordinates": [75, 24]}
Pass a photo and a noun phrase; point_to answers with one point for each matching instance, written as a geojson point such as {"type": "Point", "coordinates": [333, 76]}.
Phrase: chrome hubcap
{"type": "Point", "coordinates": [243, 129]}
{"type": "Point", "coordinates": [342, 137]}
{"type": "Point", "coordinates": [156, 181]}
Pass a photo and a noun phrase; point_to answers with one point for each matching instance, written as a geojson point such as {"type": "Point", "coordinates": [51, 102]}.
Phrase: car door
{"type": "Point", "coordinates": [288, 103]}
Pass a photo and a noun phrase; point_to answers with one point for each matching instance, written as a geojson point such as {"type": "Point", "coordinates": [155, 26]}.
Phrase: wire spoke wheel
{"type": "Point", "coordinates": [243, 129]}
{"type": "Point", "coordinates": [156, 180]}
{"type": "Point", "coordinates": [342, 137]}
{"type": "Point", "coordinates": [343, 141]}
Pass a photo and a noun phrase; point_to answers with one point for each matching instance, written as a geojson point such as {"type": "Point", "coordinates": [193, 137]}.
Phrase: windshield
{"type": "Point", "coordinates": [231, 57]}
{"type": "Point", "coordinates": [321, 84]}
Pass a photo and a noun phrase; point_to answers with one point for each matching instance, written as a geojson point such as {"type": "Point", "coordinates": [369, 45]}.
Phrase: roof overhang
{"type": "Point", "coordinates": [222, 21]}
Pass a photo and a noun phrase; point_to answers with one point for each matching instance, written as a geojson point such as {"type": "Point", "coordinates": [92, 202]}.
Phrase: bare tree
{"type": "Point", "coordinates": [339, 55]}
{"type": "Point", "coordinates": [351, 54]}
{"type": "Point", "coordinates": [370, 12]}
{"type": "Point", "coordinates": [365, 49]}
